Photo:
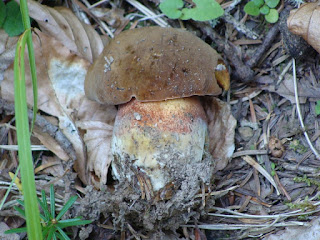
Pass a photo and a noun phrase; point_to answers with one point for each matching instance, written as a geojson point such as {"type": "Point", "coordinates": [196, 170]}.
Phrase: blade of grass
{"type": "Point", "coordinates": [63, 234]}
{"type": "Point", "coordinates": [52, 202]}
{"type": "Point", "coordinates": [51, 233]}
{"type": "Point", "coordinates": [20, 202]}
{"type": "Point", "coordinates": [9, 189]}
{"type": "Point", "coordinates": [20, 210]}
{"type": "Point", "coordinates": [26, 22]}
{"type": "Point", "coordinates": [44, 206]}
{"type": "Point", "coordinates": [73, 222]}
{"type": "Point", "coordinates": [24, 149]}
{"type": "Point", "coordinates": [66, 207]}
{"type": "Point", "coordinates": [16, 230]}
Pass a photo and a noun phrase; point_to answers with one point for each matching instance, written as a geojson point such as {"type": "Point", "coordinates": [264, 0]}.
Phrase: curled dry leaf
{"type": "Point", "coordinates": [220, 123]}
{"type": "Point", "coordinates": [304, 22]}
{"type": "Point", "coordinates": [62, 24]}
{"type": "Point", "coordinates": [61, 76]}
{"type": "Point", "coordinates": [97, 138]}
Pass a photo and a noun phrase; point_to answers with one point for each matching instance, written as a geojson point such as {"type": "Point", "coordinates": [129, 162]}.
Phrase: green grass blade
{"type": "Point", "coordinates": [73, 222]}
{"type": "Point", "coordinates": [46, 216]}
{"type": "Point", "coordinates": [9, 189]}
{"type": "Point", "coordinates": [20, 211]}
{"type": "Point", "coordinates": [20, 202]}
{"type": "Point", "coordinates": [52, 202]}
{"type": "Point", "coordinates": [24, 148]}
{"type": "Point", "coordinates": [51, 233]}
{"type": "Point", "coordinates": [26, 22]}
{"type": "Point", "coordinates": [66, 207]}
{"type": "Point", "coordinates": [45, 205]}
{"type": "Point", "coordinates": [45, 231]}
{"type": "Point", "coordinates": [16, 230]}
{"type": "Point", "coordinates": [63, 234]}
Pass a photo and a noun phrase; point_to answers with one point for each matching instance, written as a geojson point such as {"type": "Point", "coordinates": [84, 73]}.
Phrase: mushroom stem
{"type": "Point", "coordinates": [158, 139]}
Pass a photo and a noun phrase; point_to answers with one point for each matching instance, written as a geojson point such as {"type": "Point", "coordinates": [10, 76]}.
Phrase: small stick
{"type": "Point", "coordinates": [273, 32]}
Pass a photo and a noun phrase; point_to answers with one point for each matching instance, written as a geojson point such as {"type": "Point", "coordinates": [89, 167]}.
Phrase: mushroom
{"type": "Point", "coordinates": [155, 75]}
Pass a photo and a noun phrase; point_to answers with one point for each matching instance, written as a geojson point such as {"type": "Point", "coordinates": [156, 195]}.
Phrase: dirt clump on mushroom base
{"type": "Point", "coordinates": [126, 206]}
{"type": "Point", "coordinates": [177, 209]}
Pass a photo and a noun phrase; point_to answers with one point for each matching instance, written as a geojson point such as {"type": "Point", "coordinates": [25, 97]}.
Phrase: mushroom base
{"type": "Point", "coordinates": [186, 204]}
{"type": "Point", "coordinates": [151, 218]}
{"type": "Point", "coordinates": [161, 161]}
{"type": "Point", "coordinates": [159, 145]}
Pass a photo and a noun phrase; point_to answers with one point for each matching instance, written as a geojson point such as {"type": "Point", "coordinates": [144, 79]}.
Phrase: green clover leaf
{"type": "Point", "coordinates": [272, 16]}
{"type": "Point", "coordinates": [258, 3]}
{"type": "Point", "coordinates": [2, 13]}
{"type": "Point", "coordinates": [252, 9]}
{"type": "Point", "coordinates": [171, 8]}
{"type": "Point", "coordinates": [13, 23]}
{"type": "Point", "coordinates": [203, 11]}
{"type": "Point", "coordinates": [264, 10]}
{"type": "Point", "coordinates": [272, 3]}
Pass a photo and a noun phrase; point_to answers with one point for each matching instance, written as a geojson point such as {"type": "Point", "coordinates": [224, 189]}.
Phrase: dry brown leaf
{"type": "Point", "coordinates": [62, 24]}
{"type": "Point", "coordinates": [52, 166]}
{"type": "Point", "coordinates": [7, 51]}
{"type": "Point", "coordinates": [286, 89]}
{"type": "Point", "coordinates": [97, 138]}
{"type": "Point", "coordinates": [50, 143]}
{"type": "Point", "coordinates": [114, 17]}
{"type": "Point", "coordinates": [221, 126]}
{"type": "Point", "coordinates": [304, 22]}
{"type": "Point", "coordinates": [60, 93]}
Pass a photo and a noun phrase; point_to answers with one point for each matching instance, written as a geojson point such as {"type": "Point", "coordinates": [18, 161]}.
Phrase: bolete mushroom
{"type": "Point", "coordinates": [156, 75]}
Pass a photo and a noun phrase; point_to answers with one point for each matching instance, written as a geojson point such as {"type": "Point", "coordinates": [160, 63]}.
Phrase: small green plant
{"type": "Point", "coordinates": [10, 18]}
{"type": "Point", "coordinates": [52, 225]}
{"type": "Point", "coordinates": [264, 7]}
{"type": "Point", "coordinates": [273, 169]}
{"type": "Point", "coordinates": [202, 10]}
{"type": "Point", "coordinates": [296, 146]}
{"type": "Point", "coordinates": [317, 108]}
{"type": "Point", "coordinates": [304, 206]}
{"type": "Point", "coordinates": [307, 180]}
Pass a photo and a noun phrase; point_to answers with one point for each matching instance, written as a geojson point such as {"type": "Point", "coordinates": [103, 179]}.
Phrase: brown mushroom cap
{"type": "Point", "coordinates": [153, 64]}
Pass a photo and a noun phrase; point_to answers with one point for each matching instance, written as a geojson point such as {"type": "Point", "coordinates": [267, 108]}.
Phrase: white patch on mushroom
{"type": "Point", "coordinates": [137, 116]}
{"type": "Point", "coordinates": [220, 67]}
{"type": "Point", "coordinates": [107, 66]}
